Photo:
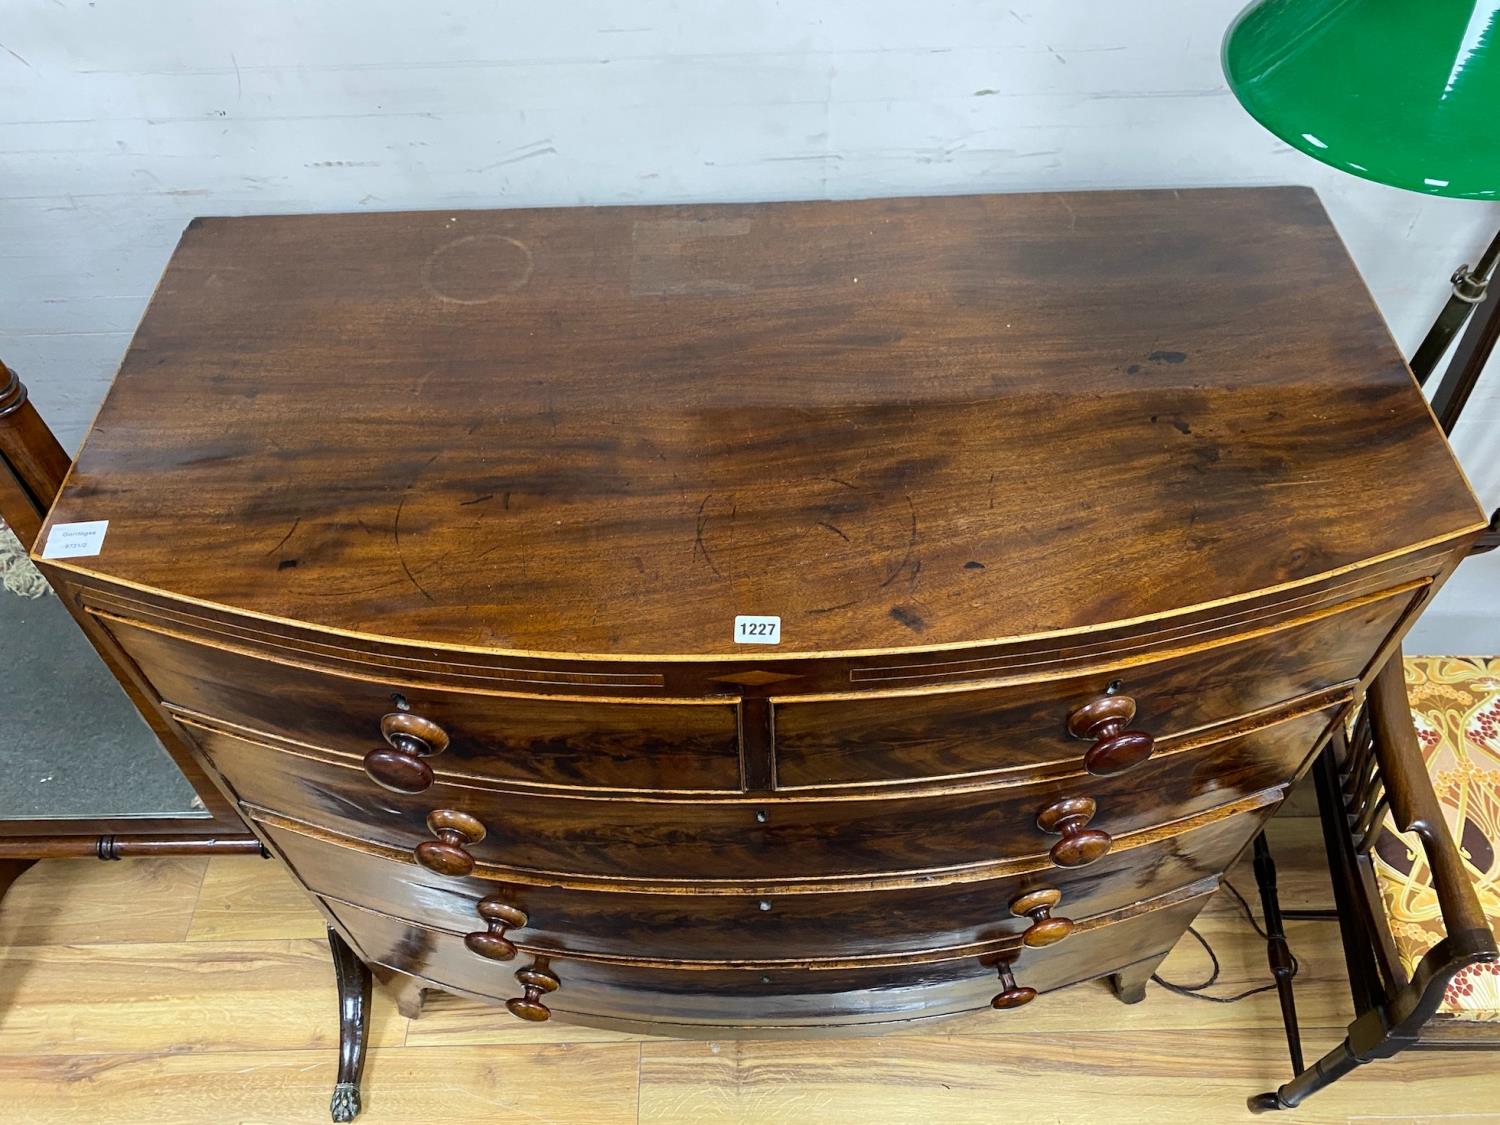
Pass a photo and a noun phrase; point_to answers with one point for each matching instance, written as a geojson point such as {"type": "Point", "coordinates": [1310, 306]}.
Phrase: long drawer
{"type": "Point", "coordinates": [943, 983]}
{"type": "Point", "coordinates": [893, 734]}
{"type": "Point", "coordinates": [776, 838]}
{"type": "Point", "coordinates": [763, 927]}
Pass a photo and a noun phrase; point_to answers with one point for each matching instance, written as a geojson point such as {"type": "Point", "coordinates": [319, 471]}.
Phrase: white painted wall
{"type": "Point", "coordinates": [122, 119]}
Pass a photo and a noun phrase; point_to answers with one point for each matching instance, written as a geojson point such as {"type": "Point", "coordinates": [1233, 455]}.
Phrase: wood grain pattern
{"type": "Point", "coordinates": [556, 741]}
{"type": "Point", "coordinates": [851, 403]}
{"type": "Point", "coordinates": [811, 995]}
{"type": "Point", "coordinates": [744, 840]}
{"type": "Point", "coordinates": [510, 477]}
{"type": "Point", "coordinates": [241, 900]}
{"type": "Point", "coordinates": [70, 903]}
{"type": "Point", "coordinates": [147, 997]}
{"type": "Point", "coordinates": [849, 741]}
{"type": "Point", "coordinates": [764, 925]}
{"type": "Point", "coordinates": [290, 1086]}
{"type": "Point", "coordinates": [667, 747]}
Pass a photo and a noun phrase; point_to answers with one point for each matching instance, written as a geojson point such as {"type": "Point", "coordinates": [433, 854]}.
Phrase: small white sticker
{"type": "Point", "coordinates": [757, 630]}
{"type": "Point", "coordinates": [75, 540]}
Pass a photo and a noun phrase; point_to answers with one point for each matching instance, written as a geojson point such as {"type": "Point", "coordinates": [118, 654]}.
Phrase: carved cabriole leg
{"type": "Point", "coordinates": [354, 983]}
{"type": "Point", "coordinates": [1130, 982]}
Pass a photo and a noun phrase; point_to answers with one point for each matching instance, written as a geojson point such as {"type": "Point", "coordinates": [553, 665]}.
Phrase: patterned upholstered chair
{"type": "Point", "coordinates": [1455, 707]}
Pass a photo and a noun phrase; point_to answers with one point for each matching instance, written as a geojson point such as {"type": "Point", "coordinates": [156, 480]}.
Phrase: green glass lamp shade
{"type": "Point", "coordinates": [1403, 92]}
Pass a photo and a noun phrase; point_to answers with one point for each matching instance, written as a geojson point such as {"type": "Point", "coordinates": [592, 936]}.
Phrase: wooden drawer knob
{"type": "Point", "coordinates": [1044, 929]}
{"type": "Point", "coordinates": [537, 980]}
{"type": "Point", "coordinates": [1080, 844]}
{"type": "Point", "coordinates": [446, 855]}
{"type": "Point", "coordinates": [501, 916]}
{"type": "Point", "coordinates": [1011, 994]}
{"type": "Point", "coordinates": [1115, 749]}
{"type": "Point", "coordinates": [398, 765]}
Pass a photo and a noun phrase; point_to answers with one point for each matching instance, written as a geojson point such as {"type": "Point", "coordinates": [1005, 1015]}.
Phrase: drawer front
{"type": "Point", "coordinates": [770, 839]}
{"type": "Point", "coordinates": [947, 734]}
{"type": "Point", "coordinates": [770, 996]}
{"type": "Point", "coordinates": [763, 926]}
{"type": "Point", "coordinates": [562, 741]}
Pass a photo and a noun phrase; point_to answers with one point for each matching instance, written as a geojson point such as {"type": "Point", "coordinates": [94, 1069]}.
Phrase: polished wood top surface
{"type": "Point", "coordinates": [894, 423]}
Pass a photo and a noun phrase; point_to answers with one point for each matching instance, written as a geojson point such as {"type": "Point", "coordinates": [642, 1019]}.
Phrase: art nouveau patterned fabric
{"type": "Point", "coordinates": [1455, 703]}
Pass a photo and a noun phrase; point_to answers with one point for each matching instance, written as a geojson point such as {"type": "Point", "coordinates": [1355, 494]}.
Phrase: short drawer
{"type": "Point", "coordinates": [560, 741]}
{"type": "Point", "coordinates": [740, 839]}
{"type": "Point", "coordinates": [894, 737]}
{"type": "Point", "coordinates": [770, 995]}
{"type": "Point", "coordinates": [767, 926]}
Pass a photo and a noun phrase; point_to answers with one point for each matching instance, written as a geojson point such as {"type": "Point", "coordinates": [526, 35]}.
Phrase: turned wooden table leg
{"type": "Point", "coordinates": [354, 1026]}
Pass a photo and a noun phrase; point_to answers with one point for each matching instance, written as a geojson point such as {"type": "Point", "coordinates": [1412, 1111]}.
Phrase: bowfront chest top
{"type": "Point", "coordinates": [766, 617]}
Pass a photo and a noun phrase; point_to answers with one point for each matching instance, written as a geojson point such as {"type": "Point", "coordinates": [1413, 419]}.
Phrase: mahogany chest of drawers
{"type": "Point", "coordinates": [758, 619]}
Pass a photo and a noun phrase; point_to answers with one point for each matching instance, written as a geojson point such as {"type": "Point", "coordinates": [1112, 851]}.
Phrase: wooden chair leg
{"type": "Point", "coordinates": [1278, 952]}
{"type": "Point", "coordinates": [354, 984]}
{"type": "Point", "coordinates": [1327, 1070]}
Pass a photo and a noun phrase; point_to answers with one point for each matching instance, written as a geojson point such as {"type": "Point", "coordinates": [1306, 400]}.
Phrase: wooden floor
{"type": "Point", "coordinates": [179, 992]}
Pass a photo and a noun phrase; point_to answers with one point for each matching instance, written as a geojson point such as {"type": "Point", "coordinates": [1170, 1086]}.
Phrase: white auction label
{"type": "Point", "coordinates": [75, 540]}
{"type": "Point", "coordinates": [757, 630]}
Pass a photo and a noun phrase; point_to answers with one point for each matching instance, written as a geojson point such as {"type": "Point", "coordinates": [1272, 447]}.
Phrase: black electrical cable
{"type": "Point", "coordinates": [1196, 991]}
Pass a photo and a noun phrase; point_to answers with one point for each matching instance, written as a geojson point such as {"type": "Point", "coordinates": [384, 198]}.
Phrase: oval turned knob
{"type": "Point", "coordinates": [398, 765]}
{"type": "Point", "coordinates": [1069, 818]}
{"type": "Point", "coordinates": [446, 855]}
{"type": "Point", "coordinates": [1115, 749]}
{"type": "Point", "coordinates": [1044, 929]}
{"type": "Point", "coordinates": [1011, 994]}
{"type": "Point", "coordinates": [501, 916]}
{"type": "Point", "coordinates": [537, 980]}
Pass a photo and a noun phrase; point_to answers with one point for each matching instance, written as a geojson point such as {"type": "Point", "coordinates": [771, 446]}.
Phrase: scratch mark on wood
{"type": "Point", "coordinates": [289, 533]}
{"type": "Point", "coordinates": [477, 500]}
{"type": "Point", "coordinates": [835, 530]}
{"type": "Point", "coordinates": [831, 608]}
{"type": "Point", "coordinates": [911, 545]}
{"type": "Point", "coordinates": [401, 558]}
{"type": "Point", "coordinates": [698, 544]}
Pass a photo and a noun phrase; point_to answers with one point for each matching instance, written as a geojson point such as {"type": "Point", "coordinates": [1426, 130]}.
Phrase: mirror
{"type": "Point", "coordinates": [71, 744]}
